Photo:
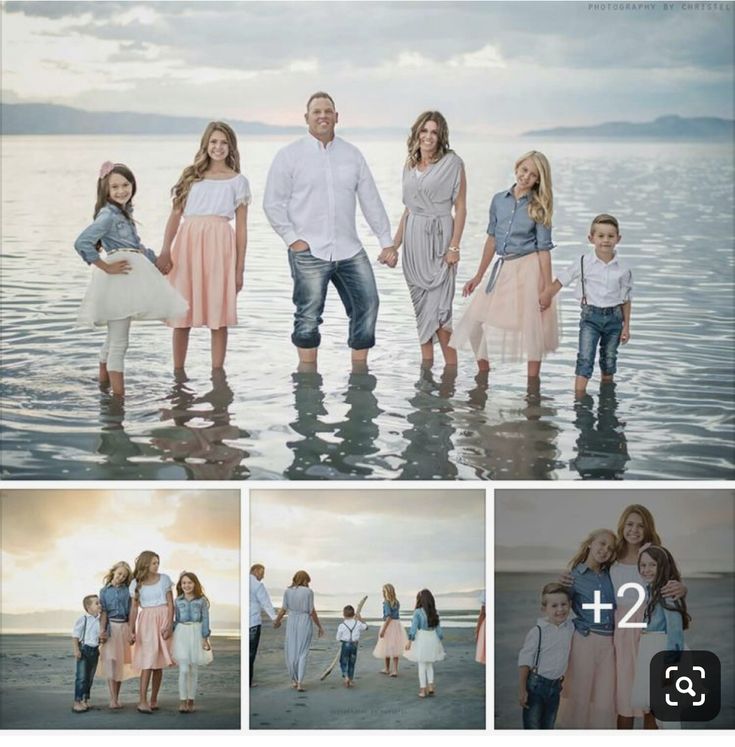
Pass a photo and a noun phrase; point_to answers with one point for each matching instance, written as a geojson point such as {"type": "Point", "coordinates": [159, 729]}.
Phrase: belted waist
{"type": "Point", "coordinates": [605, 310]}
{"type": "Point", "coordinates": [125, 249]}
{"type": "Point", "coordinates": [423, 214]}
{"type": "Point", "coordinates": [207, 217]}
{"type": "Point", "coordinates": [502, 259]}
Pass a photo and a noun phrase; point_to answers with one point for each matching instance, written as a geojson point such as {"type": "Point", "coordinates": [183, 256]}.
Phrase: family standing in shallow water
{"type": "Point", "coordinates": [310, 199]}
{"type": "Point", "coordinates": [136, 628]}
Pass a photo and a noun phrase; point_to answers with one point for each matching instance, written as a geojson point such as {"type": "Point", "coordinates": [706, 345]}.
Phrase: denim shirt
{"type": "Point", "coordinates": [114, 230]}
{"type": "Point", "coordinates": [115, 602]}
{"type": "Point", "coordinates": [514, 230]}
{"type": "Point", "coordinates": [666, 621]}
{"type": "Point", "coordinates": [419, 621]}
{"type": "Point", "coordinates": [194, 610]}
{"type": "Point", "coordinates": [391, 612]}
{"type": "Point", "coordinates": [586, 582]}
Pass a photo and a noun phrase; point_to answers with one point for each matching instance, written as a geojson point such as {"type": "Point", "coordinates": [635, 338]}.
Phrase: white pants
{"type": "Point", "coordinates": [116, 344]}
{"type": "Point", "coordinates": [188, 677]}
{"type": "Point", "coordinates": [426, 673]}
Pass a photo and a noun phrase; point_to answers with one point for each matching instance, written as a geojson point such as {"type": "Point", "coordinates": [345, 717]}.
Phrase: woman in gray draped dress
{"type": "Point", "coordinates": [298, 603]}
{"type": "Point", "coordinates": [433, 183]}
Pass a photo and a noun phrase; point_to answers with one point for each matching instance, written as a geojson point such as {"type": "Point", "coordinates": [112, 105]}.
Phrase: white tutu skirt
{"type": "Point", "coordinates": [426, 647]}
{"type": "Point", "coordinates": [393, 643]}
{"type": "Point", "coordinates": [188, 645]}
{"type": "Point", "coordinates": [141, 294]}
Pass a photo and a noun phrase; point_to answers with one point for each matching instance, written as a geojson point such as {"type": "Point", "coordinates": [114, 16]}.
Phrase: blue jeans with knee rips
{"type": "Point", "coordinates": [354, 280]}
{"type": "Point", "coordinates": [599, 327]}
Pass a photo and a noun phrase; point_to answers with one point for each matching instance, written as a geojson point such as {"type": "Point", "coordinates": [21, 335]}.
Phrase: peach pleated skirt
{"type": "Point", "coordinates": [393, 643]}
{"type": "Point", "coordinates": [151, 649]}
{"type": "Point", "coordinates": [204, 258]}
{"type": "Point", "coordinates": [626, 642]}
{"type": "Point", "coordinates": [116, 655]}
{"type": "Point", "coordinates": [480, 647]}
{"type": "Point", "coordinates": [507, 325]}
{"type": "Point", "coordinates": [588, 694]}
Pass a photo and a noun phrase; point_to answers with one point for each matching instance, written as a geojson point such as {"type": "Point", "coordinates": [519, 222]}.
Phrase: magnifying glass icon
{"type": "Point", "coordinates": [688, 690]}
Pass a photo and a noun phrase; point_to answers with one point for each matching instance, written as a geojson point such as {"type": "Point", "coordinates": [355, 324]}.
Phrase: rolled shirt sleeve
{"type": "Point", "coordinates": [86, 243]}
{"type": "Point", "coordinates": [205, 619]}
{"type": "Point", "coordinates": [627, 286]}
{"type": "Point", "coordinates": [569, 274]}
{"type": "Point", "coordinates": [527, 654]}
{"type": "Point", "coordinates": [276, 198]}
{"type": "Point", "coordinates": [543, 238]}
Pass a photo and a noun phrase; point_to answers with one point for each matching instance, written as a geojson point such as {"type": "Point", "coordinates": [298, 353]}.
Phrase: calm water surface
{"type": "Point", "coordinates": [670, 415]}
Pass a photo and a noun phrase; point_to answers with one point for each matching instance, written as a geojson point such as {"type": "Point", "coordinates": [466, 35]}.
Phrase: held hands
{"type": "Point", "coordinates": [470, 285]}
{"type": "Point", "coordinates": [625, 334]}
{"type": "Point", "coordinates": [206, 645]}
{"type": "Point", "coordinates": [320, 634]}
{"type": "Point", "coordinates": [163, 263]}
{"type": "Point", "coordinates": [544, 299]}
{"type": "Point", "coordinates": [389, 256]}
{"type": "Point", "coordinates": [121, 267]}
{"type": "Point", "coordinates": [131, 639]}
{"type": "Point", "coordinates": [408, 646]}
{"type": "Point", "coordinates": [166, 632]}
{"type": "Point", "coordinates": [103, 637]}
{"type": "Point", "coordinates": [452, 256]}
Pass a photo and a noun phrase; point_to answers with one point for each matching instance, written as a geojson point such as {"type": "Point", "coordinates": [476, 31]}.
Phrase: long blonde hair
{"type": "Point", "coordinates": [142, 566]}
{"type": "Point", "coordinates": [122, 564]}
{"type": "Point", "coordinates": [442, 132]}
{"type": "Point", "coordinates": [202, 161]}
{"type": "Point", "coordinates": [389, 594]}
{"type": "Point", "coordinates": [541, 200]}
{"type": "Point", "coordinates": [584, 548]}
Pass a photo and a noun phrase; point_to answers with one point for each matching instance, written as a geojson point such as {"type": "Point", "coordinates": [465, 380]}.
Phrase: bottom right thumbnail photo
{"type": "Point", "coordinates": [614, 609]}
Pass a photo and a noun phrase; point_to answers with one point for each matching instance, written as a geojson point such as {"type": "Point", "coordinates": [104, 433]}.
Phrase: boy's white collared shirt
{"type": "Point", "coordinates": [90, 631]}
{"type": "Point", "coordinates": [605, 283]}
{"type": "Point", "coordinates": [350, 630]}
{"type": "Point", "coordinates": [556, 642]}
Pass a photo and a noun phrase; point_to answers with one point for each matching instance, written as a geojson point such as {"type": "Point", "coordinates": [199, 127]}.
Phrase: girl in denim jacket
{"type": "Point", "coordinates": [191, 636]}
{"type": "Point", "coordinates": [425, 641]}
{"type": "Point", "coordinates": [126, 284]}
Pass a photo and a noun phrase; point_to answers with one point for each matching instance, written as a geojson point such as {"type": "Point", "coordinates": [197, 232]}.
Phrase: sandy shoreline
{"type": "Point", "coordinates": [37, 688]}
{"type": "Point", "coordinates": [376, 702]}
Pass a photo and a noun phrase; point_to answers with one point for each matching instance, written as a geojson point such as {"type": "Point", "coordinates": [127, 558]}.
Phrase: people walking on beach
{"type": "Point", "coordinates": [506, 322]}
{"type": "Point", "coordinates": [260, 602]}
{"type": "Point", "coordinates": [433, 184]}
{"type": "Point", "coordinates": [207, 260]}
{"type": "Point", "coordinates": [392, 638]}
{"type": "Point", "coordinates": [348, 633]}
{"type": "Point", "coordinates": [480, 633]}
{"type": "Point", "coordinates": [588, 697]}
{"type": "Point", "coordinates": [151, 620]}
{"type": "Point", "coordinates": [604, 287]}
{"type": "Point", "coordinates": [666, 620]}
{"type": "Point", "coordinates": [543, 659]}
{"type": "Point", "coordinates": [85, 638]}
{"type": "Point", "coordinates": [191, 633]}
{"type": "Point", "coordinates": [115, 634]}
{"type": "Point", "coordinates": [425, 641]}
{"type": "Point", "coordinates": [310, 201]}
{"type": "Point", "coordinates": [298, 604]}
{"type": "Point", "coordinates": [125, 285]}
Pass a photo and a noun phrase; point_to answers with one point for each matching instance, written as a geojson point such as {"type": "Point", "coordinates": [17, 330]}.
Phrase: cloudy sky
{"type": "Point", "coordinates": [58, 544]}
{"type": "Point", "coordinates": [491, 67]}
{"type": "Point", "coordinates": [353, 541]}
{"type": "Point", "coordinates": [534, 526]}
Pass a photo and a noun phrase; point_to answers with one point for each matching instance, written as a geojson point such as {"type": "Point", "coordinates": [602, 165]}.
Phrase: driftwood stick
{"type": "Point", "coordinates": [329, 669]}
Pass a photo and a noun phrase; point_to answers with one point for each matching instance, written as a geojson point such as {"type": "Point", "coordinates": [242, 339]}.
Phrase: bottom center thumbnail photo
{"type": "Point", "coordinates": [367, 609]}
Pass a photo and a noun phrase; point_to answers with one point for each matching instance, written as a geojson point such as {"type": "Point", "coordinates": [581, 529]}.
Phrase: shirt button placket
{"type": "Point", "coordinates": [332, 221]}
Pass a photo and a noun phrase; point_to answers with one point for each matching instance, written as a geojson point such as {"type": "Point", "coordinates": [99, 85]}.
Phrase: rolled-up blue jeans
{"type": "Point", "coordinates": [86, 667]}
{"type": "Point", "coordinates": [543, 702]}
{"type": "Point", "coordinates": [599, 326]}
{"type": "Point", "coordinates": [348, 659]}
{"type": "Point", "coordinates": [354, 280]}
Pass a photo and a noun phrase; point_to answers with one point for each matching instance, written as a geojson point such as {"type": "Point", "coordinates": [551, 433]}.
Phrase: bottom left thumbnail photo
{"type": "Point", "coordinates": [120, 609]}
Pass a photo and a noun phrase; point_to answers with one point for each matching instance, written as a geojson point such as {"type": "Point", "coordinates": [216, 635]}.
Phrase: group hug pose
{"type": "Point", "coordinates": [595, 674]}
{"type": "Point", "coordinates": [421, 644]}
{"type": "Point", "coordinates": [135, 628]}
{"type": "Point", "coordinates": [310, 200]}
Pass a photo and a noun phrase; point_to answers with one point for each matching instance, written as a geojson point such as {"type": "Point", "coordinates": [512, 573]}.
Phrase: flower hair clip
{"type": "Point", "coordinates": [106, 168]}
{"type": "Point", "coordinates": [644, 547]}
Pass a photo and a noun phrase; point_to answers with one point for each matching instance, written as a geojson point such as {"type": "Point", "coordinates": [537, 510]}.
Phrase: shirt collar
{"type": "Point", "coordinates": [614, 259]}
{"type": "Point", "coordinates": [544, 623]}
{"type": "Point", "coordinates": [316, 143]}
{"type": "Point", "coordinates": [509, 193]}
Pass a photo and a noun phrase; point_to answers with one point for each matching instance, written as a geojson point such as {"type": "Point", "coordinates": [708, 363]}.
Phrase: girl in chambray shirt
{"type": "Point", "coordinates": [126, 284]}
{"type": "Point", "coordinates": [191, 636]}
{"type": "Point", "coordinates": [425, 641]}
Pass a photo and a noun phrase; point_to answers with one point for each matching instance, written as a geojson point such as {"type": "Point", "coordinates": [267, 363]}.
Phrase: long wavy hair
{"type": "Point", "coordinates": [650, 535]}
{"type": "Point", "coordinates": [541, 201]}
{"type": "Point", "coordinates": [389, 594]}
{"type": "Point", "coordinates": [584, 548]}
{"type": "Point", "coordinates": [142, 566]}
{"type": "Point", "coordinates": [442, 131]}
{"type": "Point", "coordinates": [301, 578]}
{"type": "Point", "coordinates": [198, 589]}
{"type": "Point", "coordinates": [425, 600]}
{"type": "Point", "coordinates": [666, 570]}
{"type": "Point", "coordinates": [202, 162]}
{"type": "Point", "coordinates": [121, 564]}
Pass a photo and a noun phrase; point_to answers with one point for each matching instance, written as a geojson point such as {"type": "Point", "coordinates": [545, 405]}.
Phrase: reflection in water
{"type": "Point", "coordinates": [114, 443]}
{"type": "Point", "coordinates": [201, 426]}
{"type": "Point", "coordinates": [430, 436]}
{"type": "Point", "coordinates": [602, 449]}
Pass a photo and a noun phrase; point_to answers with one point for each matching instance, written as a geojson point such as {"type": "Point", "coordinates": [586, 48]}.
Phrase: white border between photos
{"type": "Point", "coordinates": [364, 737]}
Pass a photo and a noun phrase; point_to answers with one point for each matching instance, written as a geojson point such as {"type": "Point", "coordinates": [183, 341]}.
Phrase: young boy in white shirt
{"type": "Point", "coordinates": [348, 632]}
{"type": "Point", "coordinates": [86, 643]}
{"type": "Point", "coordinates": [604, 290]}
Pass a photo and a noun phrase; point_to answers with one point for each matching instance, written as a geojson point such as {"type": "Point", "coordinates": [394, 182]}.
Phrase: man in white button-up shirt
{"type": "Point", "coordinates": [310, 200]}
{"type": "Point", "coordinates": [260, 602]}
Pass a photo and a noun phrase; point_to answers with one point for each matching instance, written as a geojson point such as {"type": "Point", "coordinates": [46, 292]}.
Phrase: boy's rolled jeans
{"type": "Point", "coordinates": [542, 703]}
{"type": "Point", "coordinates": [348, 658]}
{"type": "Point", "coordinates": [86, 667]}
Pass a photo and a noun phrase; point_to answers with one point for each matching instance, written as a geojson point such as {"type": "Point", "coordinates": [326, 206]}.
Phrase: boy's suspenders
{"type": "Point", "coordinates": [581, 268]}
{"type": "Point", "coordinates": [538, 651]}
{"type": "Point", "coordinates": [352, 630]}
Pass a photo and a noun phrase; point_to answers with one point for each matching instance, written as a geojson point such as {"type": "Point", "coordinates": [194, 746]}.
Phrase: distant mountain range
{"type": "Point", "coordinates": [669, 127]}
